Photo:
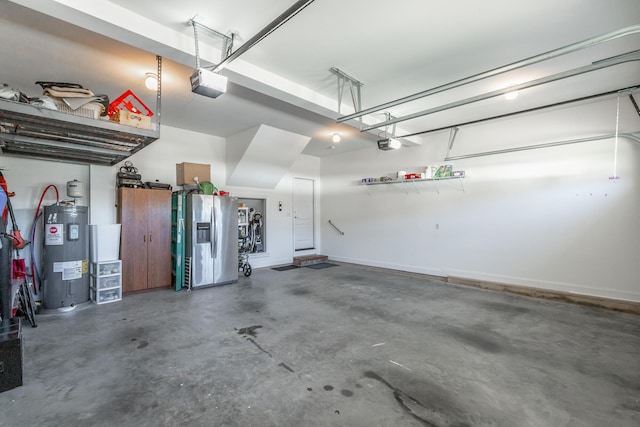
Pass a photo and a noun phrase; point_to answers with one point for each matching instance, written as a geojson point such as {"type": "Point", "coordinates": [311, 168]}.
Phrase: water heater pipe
{"type": "Point", "coordinates": [33, 233]}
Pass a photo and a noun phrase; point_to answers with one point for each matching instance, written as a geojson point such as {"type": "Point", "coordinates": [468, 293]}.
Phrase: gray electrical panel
{"type": "Point", "coordinates": [65, 256]}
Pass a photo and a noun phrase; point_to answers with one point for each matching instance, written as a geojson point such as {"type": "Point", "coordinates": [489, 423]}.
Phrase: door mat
{"type": "Point", "coordinates": [321, 265]}
{"type": "Point", "coordinates": [285, 268]}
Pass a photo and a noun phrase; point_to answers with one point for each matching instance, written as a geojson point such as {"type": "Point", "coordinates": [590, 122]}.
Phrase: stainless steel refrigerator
{"type": "Point", "coordinates": [211, 243]}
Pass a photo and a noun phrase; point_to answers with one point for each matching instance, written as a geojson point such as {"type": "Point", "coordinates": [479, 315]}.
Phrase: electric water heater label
{"type": "Point", "coordinates": [70, 269]}
{"type": "Point", "coordinates": [54, 234]}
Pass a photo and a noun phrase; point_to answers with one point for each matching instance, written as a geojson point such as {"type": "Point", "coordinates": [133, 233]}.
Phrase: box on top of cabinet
{"type": "Point", "coordinates": [185, 172]}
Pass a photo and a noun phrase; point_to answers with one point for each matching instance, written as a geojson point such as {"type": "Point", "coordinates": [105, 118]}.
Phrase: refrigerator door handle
{"type": "Point", "coordinates": [214, 241]}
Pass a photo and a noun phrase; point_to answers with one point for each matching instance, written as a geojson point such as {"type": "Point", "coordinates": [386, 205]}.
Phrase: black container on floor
{"type": "Point", "coordinates": [10, 355]}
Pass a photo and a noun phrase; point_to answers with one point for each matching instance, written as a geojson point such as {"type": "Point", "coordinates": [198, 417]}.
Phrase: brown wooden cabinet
{"type": "Point", "coordinates": [145, 242]}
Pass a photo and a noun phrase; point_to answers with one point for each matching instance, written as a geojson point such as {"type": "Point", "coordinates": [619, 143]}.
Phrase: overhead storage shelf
{"type": "Point", "coordinates": [29, 131]}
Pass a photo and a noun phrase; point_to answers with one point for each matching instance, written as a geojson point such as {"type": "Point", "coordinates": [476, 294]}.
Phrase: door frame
{"type": "Point", "coordinates": [313, 249]}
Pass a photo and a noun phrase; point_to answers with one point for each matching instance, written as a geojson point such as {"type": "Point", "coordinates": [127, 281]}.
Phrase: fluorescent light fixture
{"type": "Point", "coordinates": [394, 143]}
{"type": "Point", "coordinates": [336, 138]}
{"type": "Point", "coordinates": [151, 81]}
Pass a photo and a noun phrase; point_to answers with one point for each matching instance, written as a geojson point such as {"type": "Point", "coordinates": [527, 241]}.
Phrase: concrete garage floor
{"type": "Point", "coordinates": [342, 346]}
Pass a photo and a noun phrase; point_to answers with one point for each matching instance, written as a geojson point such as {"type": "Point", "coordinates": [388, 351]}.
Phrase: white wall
{"type": "Point", "coordinates": [279, 228]}
{"type": "Point", "coordinates": [549, 218]}
{"type": "Point", "coordinates": [176, 146]}
{"type": "Point", "coordinates": [28, 178]}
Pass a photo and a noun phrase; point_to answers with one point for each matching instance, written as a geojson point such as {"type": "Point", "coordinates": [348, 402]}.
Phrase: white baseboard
{"type": "Point", "coordinates": [392, 266]}
{"type": "Point", "coordinates": [607, 298]}
{"type": "Point", "coordinates": [571, 288]}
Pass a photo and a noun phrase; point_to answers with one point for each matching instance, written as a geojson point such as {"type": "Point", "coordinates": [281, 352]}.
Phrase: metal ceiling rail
{"type": "Point", "coordinates": [270, 28]}
{"type": "Point", "coordinates": [530, 110]}
{"type": "Point", "coordinates": [593, 41]}
{"type": "Point", "coordinates": [635, 104]}
{"type": "Point", "coordinates": [615, 60]}
{"type": "Point", "coordinates": [546, 145]}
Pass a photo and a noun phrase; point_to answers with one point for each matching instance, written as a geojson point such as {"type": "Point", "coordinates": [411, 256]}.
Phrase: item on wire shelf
{"type": "Point", "coordinates": [443, 171]}
{"type": "Point", "coordinates": [128, 118]}
{"type": "Point", "coordinates": [128, 109]}
{"type": "Point", "coordinates": [130, 102]}
{"type": "Point", "coordinates": [11, 94]}
{"type": "Point", "coordinates": [412, 176]}
{"type": "Point", "coordinates": [72, 98]}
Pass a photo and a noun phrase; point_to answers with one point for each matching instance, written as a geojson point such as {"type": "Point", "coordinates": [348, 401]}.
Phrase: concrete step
{"type": "Point", "coordinates": [309, 260]}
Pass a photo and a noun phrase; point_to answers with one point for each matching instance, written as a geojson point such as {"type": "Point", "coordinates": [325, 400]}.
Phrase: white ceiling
{"type": "Point", "coordinates": [394, 48]}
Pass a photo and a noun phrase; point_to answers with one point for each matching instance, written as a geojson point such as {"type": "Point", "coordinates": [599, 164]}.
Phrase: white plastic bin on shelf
{"type": "Point", "coordinates": [105, 242]}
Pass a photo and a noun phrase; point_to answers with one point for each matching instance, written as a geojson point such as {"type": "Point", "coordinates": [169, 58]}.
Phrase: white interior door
{"type": "Point", "coordinates": [303, 220]}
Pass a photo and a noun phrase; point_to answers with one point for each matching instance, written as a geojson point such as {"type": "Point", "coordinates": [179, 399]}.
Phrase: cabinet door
{"type": "Point", "coordinates": [132, 215]}
{"type": "Point", "coordinates": [159, 238]}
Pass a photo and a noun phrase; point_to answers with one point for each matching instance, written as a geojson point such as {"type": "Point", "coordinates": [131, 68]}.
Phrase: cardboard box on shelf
{"type": "Point", "coordinates": [128, 118]}
{"type": "Point", "coordinates": [185, 172]}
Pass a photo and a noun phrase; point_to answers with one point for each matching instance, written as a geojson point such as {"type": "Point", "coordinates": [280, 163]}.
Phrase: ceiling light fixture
{"type": "Point", "coordinates": [511, 95]}
{"type": "Point", "coordinates": [336, 138]}
{"type": "Point", "coordinates": [151, 81]}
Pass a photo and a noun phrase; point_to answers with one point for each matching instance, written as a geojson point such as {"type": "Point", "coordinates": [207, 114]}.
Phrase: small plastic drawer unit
{"type": "Point", "coordinates": [103, 296]}
{"type": "Point", "coordinates": [106, 281]}
{"type": "Point", "coordinates": [107, 268]}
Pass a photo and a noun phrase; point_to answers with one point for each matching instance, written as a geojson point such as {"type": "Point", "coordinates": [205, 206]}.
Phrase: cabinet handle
{"type": "Point", "coordinates": [144, 238]}
{"type": "Point", "coordinates": [150, 237]}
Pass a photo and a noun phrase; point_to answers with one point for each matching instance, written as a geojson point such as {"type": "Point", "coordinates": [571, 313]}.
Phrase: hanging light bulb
{"type": "Point", "coordinates": [151, 81]}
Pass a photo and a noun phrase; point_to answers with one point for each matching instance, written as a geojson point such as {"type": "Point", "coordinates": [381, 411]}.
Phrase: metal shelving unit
{"type": "Point", "coordinates": [29, 131]}
{"type": "Point", "coordinates": [42, 133]}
